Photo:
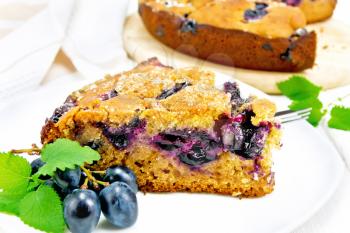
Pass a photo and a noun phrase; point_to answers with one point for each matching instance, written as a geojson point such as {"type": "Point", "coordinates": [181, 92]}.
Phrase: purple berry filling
{"type": "Point", "coordinates": [292, 2]}
{"type": "Point", "coordinates": [192, 147]}
{"type": "Point", "coordinates": [178, 87]}
{"type": "Point", "coordinates": [236, 99]}
{"type": "Point", "coordinates": [243, 138]}
{"type": "Point", "coordinates": [121, 137]}
{"type": "Point", "coordinates": [234, 134]}
{"type": "Point", "coordinates": [233, 89]}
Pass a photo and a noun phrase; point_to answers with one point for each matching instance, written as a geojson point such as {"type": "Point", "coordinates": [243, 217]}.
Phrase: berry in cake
{"type": "Point", "coordinates": [259, 12]}
{"type": "Point", "coordinates": [175, 130]}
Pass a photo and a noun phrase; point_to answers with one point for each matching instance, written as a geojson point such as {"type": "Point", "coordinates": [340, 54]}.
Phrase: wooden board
{"type": "Point", "coordinates": [332, 68]}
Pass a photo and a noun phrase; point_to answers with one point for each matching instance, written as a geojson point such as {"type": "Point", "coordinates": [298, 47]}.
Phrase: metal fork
{"type": "Point", "coordinates": [290, 116]}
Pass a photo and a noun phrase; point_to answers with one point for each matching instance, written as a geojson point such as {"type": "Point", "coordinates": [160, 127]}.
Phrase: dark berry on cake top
{"type": "Point", "coordinates": [292, 2]}
{"type": "Point", "coordinates": [259, 12]}
{"type": "Point", "coordinates": [109, 95]}
{"type": "Point", "coordinates": [178, 87]}
{"type": "Point", "coordinates": [68, 105]}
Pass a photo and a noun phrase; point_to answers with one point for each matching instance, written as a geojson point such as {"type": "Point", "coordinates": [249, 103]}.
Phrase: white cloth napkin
{"type": "Point", "coordinates": [88, 31]}
{"type": "Point", "coordinates": [94, 38]}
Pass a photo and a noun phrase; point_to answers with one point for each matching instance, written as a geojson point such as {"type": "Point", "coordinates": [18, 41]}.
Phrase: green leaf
{"type": "Point", "coordinates": [316, 112]}
{"type": "Point", "coordinates": [10, 208]}
{"type": "Point", "coordinates": [34, 183]}
{"type": "Point", "coordinates": [64, 153]}
{"type": "Point", "coordinates": [14, 172]}
{"type": "Point", "coordinates": [298, 88]}
{"type": "Point", "coordinates": [42, 209]}
{"type": "Point", "coordinates": [340, 118]}
{"type": "Point", "coordinates": [14, 177]}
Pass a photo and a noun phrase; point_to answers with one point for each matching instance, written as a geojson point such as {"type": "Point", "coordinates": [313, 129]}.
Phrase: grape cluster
{"type": "Point", "coordinates": [84, 197]}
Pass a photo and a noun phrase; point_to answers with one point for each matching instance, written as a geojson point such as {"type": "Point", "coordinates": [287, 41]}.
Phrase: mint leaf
{"type": "Point", "coordinates": [340, 118]}
{"type": "Point", "coordinates": [304, 94]}
{"type": "Point", "coordinates": [316, 112]}
{"type": "Point", "coordinates": [64, 153]}
{"type": "Point", "coordinates": [10, 208]}
{"type": "Point", "coordinates": [14, 177]}
{"type": "Point", "coordinates": [42, 209]}
{"type": "Point", "coordinates": [298, 88]}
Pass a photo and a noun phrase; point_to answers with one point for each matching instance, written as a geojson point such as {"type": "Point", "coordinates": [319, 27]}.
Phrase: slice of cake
{"type": "Point", "coordinates": [174, 129]}
{"type": "Point", "coordinates": [260, 35]}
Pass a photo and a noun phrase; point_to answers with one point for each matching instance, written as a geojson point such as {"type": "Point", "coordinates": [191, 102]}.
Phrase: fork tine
{"type": "Point", "coordinates": [294, 119]}
{"type": "Point", "coordinates": [294, 115]}
{"type": "Point", "coordinates": [290, 112]}
{"type": "Point", "coordinates": [283, 113]}
{"type": "Point", "coordinates": [289, 116]}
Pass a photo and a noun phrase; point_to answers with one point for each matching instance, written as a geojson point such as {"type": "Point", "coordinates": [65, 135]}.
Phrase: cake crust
{"type": "Point", "coordinates": [230, 46]}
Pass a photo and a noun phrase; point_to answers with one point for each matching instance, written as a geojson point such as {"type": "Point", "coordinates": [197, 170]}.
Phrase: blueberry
{"type": "Point", "coordinates": [254, 14]}
{"type": "Point", "coordinates": [178, 87]}
{"type": "Point", "coordinates": [122, 174]}
{"type": "Point", "coordinates": [82, 211]}
{"type": "Point", "coordinates": [189, 25]}
{"type": "Point", "coordinates": [117, 136]}
{"type": "Point", "coordinates": [50, 183]}
{"type": "Point", "coordinates": [267, 46]}
{"type": "Point", "coordinates": [287, 55]}
{"type": "Point", "coordinates": [233, 89]}
{"type": "Point", "coordinates": [68, 179]}
{"type": "Point", "coordinates": [166, 145]}
{"type": "Point", "coordinates": [95, 144]}
{"type": "Point", "coordinates": [62, 193]}
{"type": "Point", "coordinates": [236, 99]}
{"type": "Point", "coordinates": [121, 136]}
{"type": "Point", "coordinates": [257, 142]}
{"type": "Point", "coordinates": [119, 204]}
{"type": "Point", "coordinates": [36, 165]}
{"type": "Point", "coordinates": [121, 140]}
{"type": "Point", "coordinates": [232, 136]}
{"type": "Point", "coordinates": [203, 147]}
{"type": "Point", "coordinates": [259, 12]}
{"type": "Point", "coordinates": [58, 113]}
{"type": "Point", "coordinates": [292, 2]}
{"type": "Point", "coordinates": [261, 5]}
{"type": "Point", "coordinates": [195, 157]}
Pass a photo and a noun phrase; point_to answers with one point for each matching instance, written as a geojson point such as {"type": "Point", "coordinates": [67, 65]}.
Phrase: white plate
{"type": "Point", "coordinates": [308, 170]}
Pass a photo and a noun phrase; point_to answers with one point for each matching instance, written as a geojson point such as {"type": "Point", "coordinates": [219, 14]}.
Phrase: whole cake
{"type": "Point", "coordinates": [261, 35]}
{"type": "Point", "coordinates": [174, 129]}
